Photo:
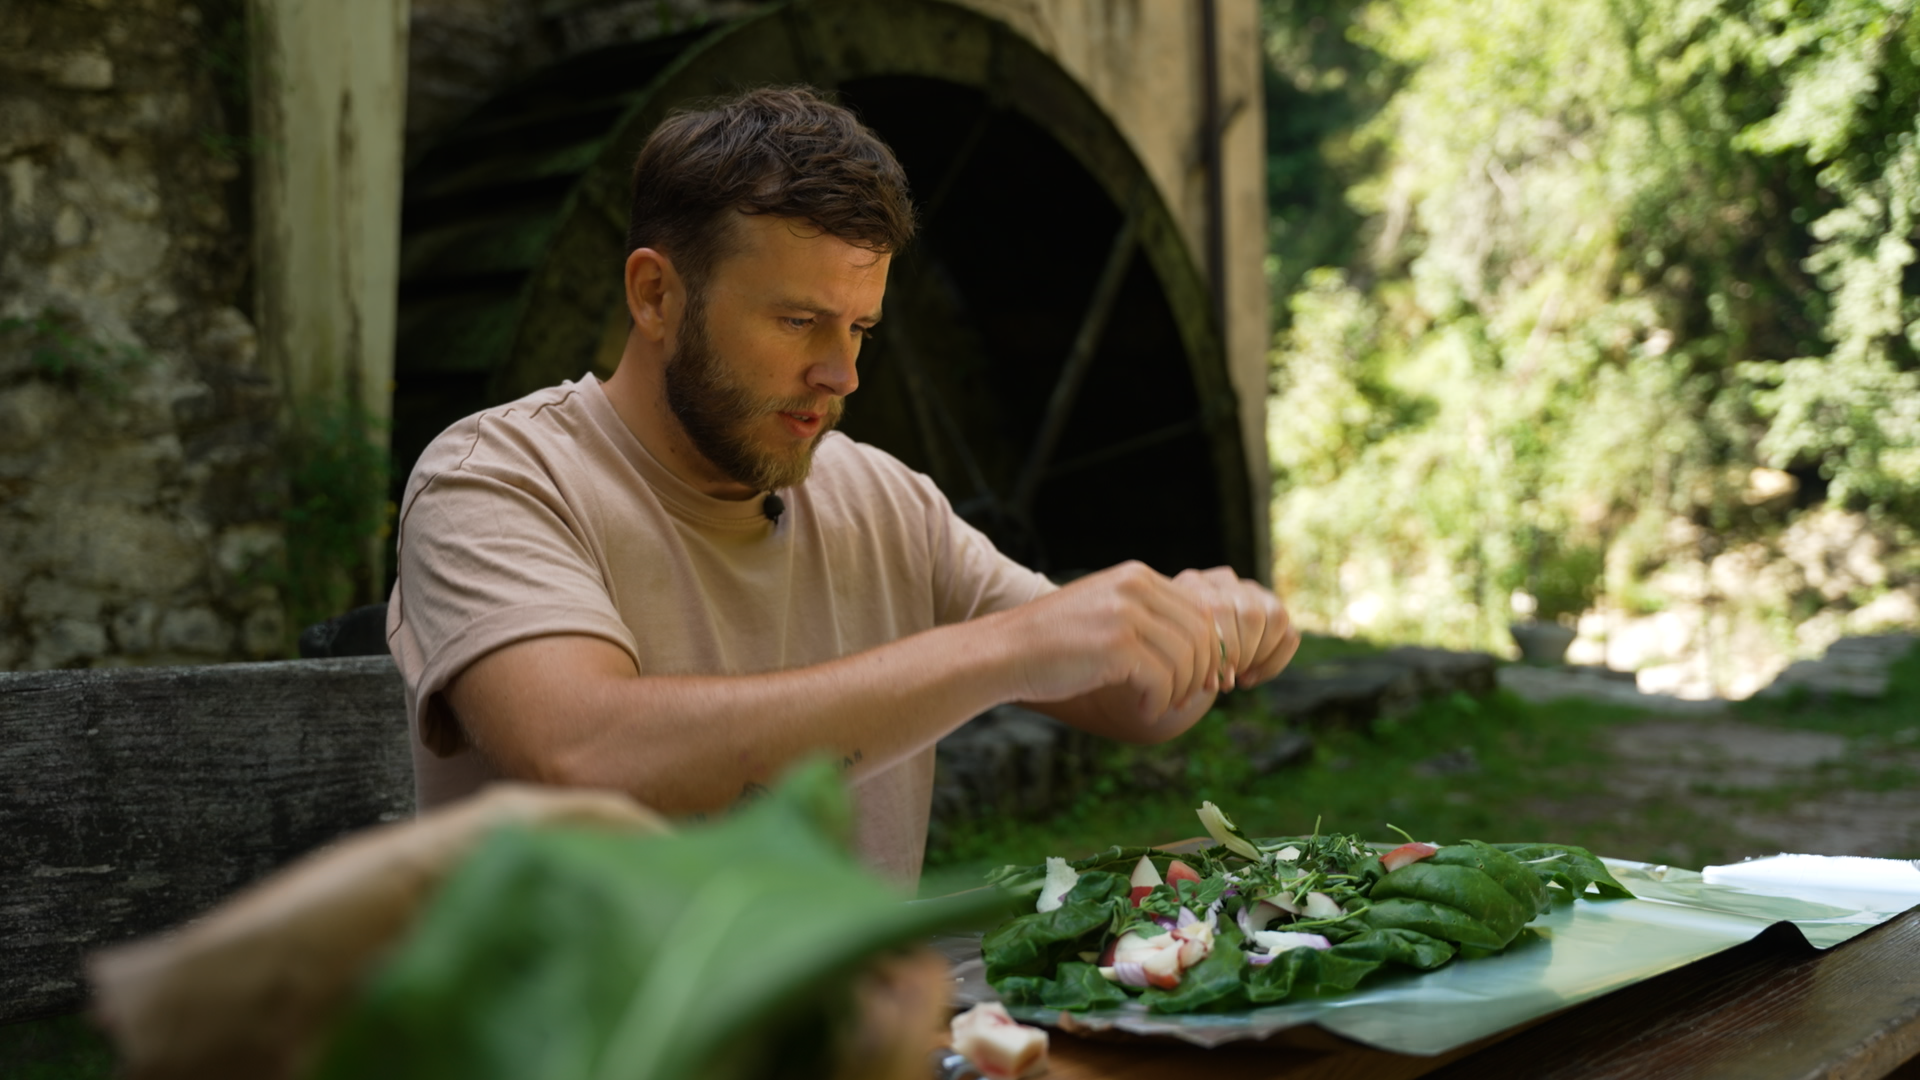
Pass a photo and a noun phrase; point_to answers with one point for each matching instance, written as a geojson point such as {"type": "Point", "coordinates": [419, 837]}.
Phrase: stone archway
{"type": "Point", "coordinates": [1051, 357]}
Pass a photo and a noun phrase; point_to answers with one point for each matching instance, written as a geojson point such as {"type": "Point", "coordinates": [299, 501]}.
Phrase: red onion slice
{"type": "Point", "coordinates": [1130, 974]}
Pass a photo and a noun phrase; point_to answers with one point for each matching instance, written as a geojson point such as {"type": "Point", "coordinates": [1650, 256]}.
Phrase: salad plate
{"type": "Point", "coordinates": [1572, 951]}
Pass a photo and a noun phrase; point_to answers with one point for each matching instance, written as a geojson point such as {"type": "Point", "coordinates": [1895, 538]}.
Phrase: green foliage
{"type": "Point", "coordinates": [1318, 88]}
{"type": "Point", "coordinates": [337, 514]}
{"type": "Point", "coordinates": [55, 1048]}
{"type": "Point", "coordinates": [724, 951]}
{"type": "Point", "coordinates": [1607, 257]}
{"type": "Point", "coordinates": [61, 352]}
{"type": "Point", "coordinates": [1537, 770]}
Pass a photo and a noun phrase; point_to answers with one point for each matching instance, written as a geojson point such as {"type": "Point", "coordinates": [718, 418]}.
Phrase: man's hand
{"type": "Point", "coordinates": [1257, 638]}
{"type": "Point", "coordinates": [1135, 655]}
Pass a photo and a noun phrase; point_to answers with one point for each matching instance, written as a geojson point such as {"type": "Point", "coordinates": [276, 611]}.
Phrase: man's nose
{"type": "Point", "coordinates": [836, 372]}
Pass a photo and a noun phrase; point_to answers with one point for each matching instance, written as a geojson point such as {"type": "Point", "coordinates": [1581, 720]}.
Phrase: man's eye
{"type": "Point", "coordinates": [798, 323]}
{"type": "Point", "coordinates": [865, 333]}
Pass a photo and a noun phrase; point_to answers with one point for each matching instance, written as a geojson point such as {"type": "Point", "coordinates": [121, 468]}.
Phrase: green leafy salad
{"type": "Point", "coordinates": [1250, 922]}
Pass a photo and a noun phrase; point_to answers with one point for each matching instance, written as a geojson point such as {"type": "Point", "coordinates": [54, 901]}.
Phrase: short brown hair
{"type": "Point", "coordinates": [777, 150]}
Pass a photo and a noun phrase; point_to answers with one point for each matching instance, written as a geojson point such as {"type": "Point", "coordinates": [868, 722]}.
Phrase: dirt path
{"type": "Point", "coordinates": [1841, 778]}
{"type": "Point", "coordinates": [1797, 791]}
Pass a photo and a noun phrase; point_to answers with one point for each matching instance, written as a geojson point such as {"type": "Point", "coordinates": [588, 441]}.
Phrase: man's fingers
{"type": "Point", "coordinates": [1216, 592]}
{"type": "Point", "coordinates": [1176, 606]}
{"type": "Point", "coordinates": [1285, 641]}
{"type": "Point", "coordinates": [1265, 623]}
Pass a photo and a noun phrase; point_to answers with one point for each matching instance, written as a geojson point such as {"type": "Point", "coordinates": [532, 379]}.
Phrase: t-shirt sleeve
{"type": "Point", "coordinates": [971, 577]}
{"type": "Point", "coordinates": [490, 553]}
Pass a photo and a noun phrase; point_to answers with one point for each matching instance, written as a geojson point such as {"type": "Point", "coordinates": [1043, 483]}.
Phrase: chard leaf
{"type": "Point", "coordinates": [1307, 972]}
{"type": "Point", "coordinates": [1434, 920]}
{"type": "Point", "coordinates": [1572, 868]}
{"type": "Point", "coordinates": [579, 954]}
{"type": "Point", "coordinates": [1077, 986]}
{"type": "Point", "coordinates": [1454, 879]}
{"type": "Point", "coordinates": [1512, 875]}
{"type": "Point", "coordinates": [1033, 943]}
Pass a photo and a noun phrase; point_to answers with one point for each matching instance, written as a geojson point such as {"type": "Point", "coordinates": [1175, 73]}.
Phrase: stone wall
{"type": "Point", "coordinates": [139, 497]}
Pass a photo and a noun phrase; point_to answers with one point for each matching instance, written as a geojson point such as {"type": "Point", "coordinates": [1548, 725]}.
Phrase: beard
{"type": "Point", "coordinates": [720, 415]}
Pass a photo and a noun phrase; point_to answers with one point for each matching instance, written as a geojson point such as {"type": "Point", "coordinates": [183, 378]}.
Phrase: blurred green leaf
{"type": "Point", "coordinates": [571, 953]}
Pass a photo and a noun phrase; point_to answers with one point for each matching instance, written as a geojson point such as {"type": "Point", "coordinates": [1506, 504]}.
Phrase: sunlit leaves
{"type": "Point", "coordinates": [1614, 249]}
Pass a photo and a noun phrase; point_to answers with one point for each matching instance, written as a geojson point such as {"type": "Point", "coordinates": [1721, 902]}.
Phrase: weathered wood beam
{"type": "Point", "coordinates": [132, 799]}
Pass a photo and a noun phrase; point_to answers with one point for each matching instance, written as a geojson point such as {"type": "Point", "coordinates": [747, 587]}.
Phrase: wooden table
{"type": "Point", "coordinates": [1773, 1008]}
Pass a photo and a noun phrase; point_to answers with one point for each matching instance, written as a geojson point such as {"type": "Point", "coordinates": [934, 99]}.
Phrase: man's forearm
{"type": "Point", "coordinates": [1125, 653]}
{"type": "Point", "coordinates": [572, 711]}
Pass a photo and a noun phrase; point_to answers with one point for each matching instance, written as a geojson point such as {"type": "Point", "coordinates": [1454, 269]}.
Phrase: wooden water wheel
{"type": "Point", "coordinates": [1050, 355]}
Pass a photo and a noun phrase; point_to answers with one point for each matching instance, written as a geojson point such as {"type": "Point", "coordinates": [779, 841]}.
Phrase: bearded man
{"type": "Point", "coordinates": [596, 588]}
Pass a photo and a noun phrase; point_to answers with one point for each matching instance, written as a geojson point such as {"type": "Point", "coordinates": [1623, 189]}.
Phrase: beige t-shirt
{"type": "Point", "coordinates": [547, 516]}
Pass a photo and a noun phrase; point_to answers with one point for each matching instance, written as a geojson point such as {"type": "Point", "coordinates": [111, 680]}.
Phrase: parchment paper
{"type": "Point", "coordinates": [1578, 950]}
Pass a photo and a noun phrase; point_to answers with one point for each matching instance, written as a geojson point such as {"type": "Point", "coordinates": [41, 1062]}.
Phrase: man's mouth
{"type": "Point", "coordinates": [804, 425]}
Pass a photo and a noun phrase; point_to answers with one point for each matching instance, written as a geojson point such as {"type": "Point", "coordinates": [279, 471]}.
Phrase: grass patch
{"type": "Point", "coordinates": [1497, 769]}
{"type": "Point", "coordinates": [1455, 767]}
{"type": "Point", "coordinates": [56, 1048]}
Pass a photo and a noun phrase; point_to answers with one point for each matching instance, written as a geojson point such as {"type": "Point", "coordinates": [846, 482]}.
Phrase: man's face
{"type": "Point", "coordinates": [766, 351]}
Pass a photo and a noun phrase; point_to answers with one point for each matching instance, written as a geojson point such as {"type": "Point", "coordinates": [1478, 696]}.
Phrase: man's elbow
{"type": "Point", "coordinates": [547, 762]}
{"type": "Point", "coordinates": [567, 767]}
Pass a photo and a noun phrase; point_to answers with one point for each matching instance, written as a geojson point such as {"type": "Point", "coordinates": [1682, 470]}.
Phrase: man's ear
{"type": "Point", "coordinates": [656, 296]}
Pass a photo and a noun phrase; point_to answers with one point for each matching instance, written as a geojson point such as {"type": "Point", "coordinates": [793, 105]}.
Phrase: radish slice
{"type": "Point", "coordinates": [1406, 854]}
{"type": "Point", "coordinates": [1145, 879]}
{"type": "Point", "coordinates": [1144, 874]}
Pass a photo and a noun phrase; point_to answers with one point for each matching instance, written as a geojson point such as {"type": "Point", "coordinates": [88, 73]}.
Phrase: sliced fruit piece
{"type": "Point", "coordinates": [1196, 942]}
{"type": "Point", "coordinates": [1163, 968]}
{"type": "Point", "coordinates": [1001, 1048]}
{"type": "Point", "coordinates": [1406, 854]}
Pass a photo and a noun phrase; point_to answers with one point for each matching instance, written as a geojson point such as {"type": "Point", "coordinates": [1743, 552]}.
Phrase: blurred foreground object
{"type": "Point", "coordinates": [251, 989]}
{"type": "Point", "coordinates": [555, 934]}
